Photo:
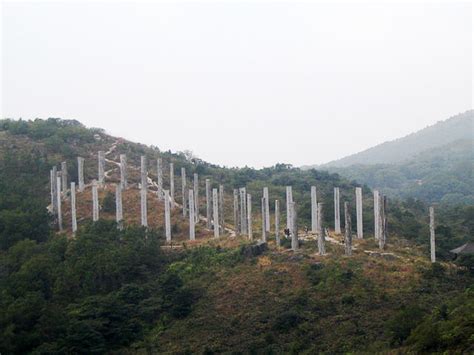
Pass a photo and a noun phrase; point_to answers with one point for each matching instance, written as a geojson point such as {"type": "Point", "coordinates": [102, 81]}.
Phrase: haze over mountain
{"type": "Point", "coordinates": [434, 164]}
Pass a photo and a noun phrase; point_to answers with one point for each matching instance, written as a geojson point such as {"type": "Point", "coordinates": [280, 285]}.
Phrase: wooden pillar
{"type": "Point", "coordinates": [314, 210]}
{"type": "Point", "coordinates": [264, 218]}
{"type": "Point", "coordinates": [192, 218]}
{"type": "Point", "coordinates": [360, 224]}
{"type": "Point", "coordinates": [289, 199]}
{"type": "Point", "coordinates": [196, 197]}
{"type": "Point", "coordinates": [64, 176]}
{"type": "Point", "coordinates": [167, 201]}
{"type": "Point", "coordinates": [118, 206]}
{"type": "Point", "coordinates": [183, 190]}
{"type": "Point", "coordinates": [101, 161]}
{"type": "Point", "coordinates": [208, 204]}
{"type": "Point", "coordinates": [171, 192]}
{"type": "Point", "coordinates": [383, 221]}
{"type": "Point", "coordinates": [267, 209]}
{"type": "Point", "coordinates": [348, 230]}
{"type": "Point", "coordinates": [337, 212]}
{"type": "Point", "coordinates": [221, 207]}
{"type": "Point", "coordinates": [236, 211]}
{"type": "Point", "coordinates": [52, 178]}
{"type": "Point", "coordinates": [249, 216]}
{"type": "Point", "coordinates": [376, 214]}
{"type": "Point", "coordinates": [73, 208]}
{"type": "Point", "coordinates": [432, 235]}
{"type": "Point", "coordinates": [243, 210]}
{"type": "Point", "coordinates": [294, 227]}
{"type": "Point", "coordinates": [95, 201]}
{"type": "Point", "coordinates": [215, 214]}
{"type": "Point", "coordinates": [143, 207]}
{"type": "Point", "coordinates": [277, 222]}
{"type": "Point", "coordinates": [321, 240]}
{"type": "Point", "coordinates": [123, 172]}
{"type": "Point", "coordinates": [58, 199]}
{"type": "Point", "coordinates": [80, 173]}
{"type": "Point", "coordinates": [159, 177]}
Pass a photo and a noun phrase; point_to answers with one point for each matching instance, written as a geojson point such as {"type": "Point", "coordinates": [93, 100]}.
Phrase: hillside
{"type": "Point", "coordinates": [459, 127]}
{"type": "Point", "coordinates": [112, 291]}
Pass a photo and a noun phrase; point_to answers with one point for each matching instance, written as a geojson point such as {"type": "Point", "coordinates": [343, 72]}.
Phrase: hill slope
{"type": "Point", "coordinates": [459, 127]}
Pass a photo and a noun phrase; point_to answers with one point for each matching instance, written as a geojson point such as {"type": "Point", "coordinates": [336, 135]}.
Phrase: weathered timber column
{"type": "Point", "coordinates": [215, 214]}
{"type": "Point", "coordinates": [167, 202]}
{"type": "Point", "coordinates": [289, 199]}
{"type": "Point", "coordinates": [249, 216]}
{"type": "Point", "coordinates": [143, 207]}
{"type": "Point", "coordinates": [80, 173]}
{"type": "Point", "coordinates": [236, 211]}
{"type": "Point", "coordinates": [360, 225]}
{"type": "Point", "coordinates": [383, 221]}
{"type": "Point", "coordinates": [314, 210]}
{"type": "Point", "coordinates": [52, 179]}
{"type": "Point", "coordinates": [73, 208]}
{"type": "Point", "coordinates": [192, 218]}
{"type": "Point", "coordinates": [118, 206]}
{"type": "Point", "coordinates": [196, 197]}
{"type": "Point", "coordinates": [432, 235]}
{"type": "Point", "coordinates": [277, 222]}
{"type": "Point", "coordinates": [208, 204]}
{"type": "Point", "coordinates": [376, 214]}
{"type": "Point", "coordinates": [294, 227]}
{"type": "Point", "coordinates": [337, 212]}
{"type": "Point", "coordinates": [159, 178]}
{"type": "Point", "coordinates": [264, 218]}
{"type": "Point", "coordinates": [123, 172]}
{"type": "Point", "coordinates": [95, 201]}
{"type": "Point", "coordinates": [321, 240]}
{"type": "Point", "coordinates": [58, 199]}
{"type": "Point", "coordinates": [267, 209]}
{"type": "Point", "coordinates": [183, 190]}
{"type": "Point", "coordinates": [171, 185]}
{"type": "Point", "coordinates": [64, 176]}
{"type": "Point", "coordinates": [101, 161]}
{"type": "Point", "coordinates": [221, 207]}
{"type": "Point", "coordinates": [348, 230]}
{"type": "Point", "coordinates": [243, 210]}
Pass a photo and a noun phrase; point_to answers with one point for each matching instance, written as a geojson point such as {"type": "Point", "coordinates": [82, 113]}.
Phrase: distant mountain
{"type": "Point", "coordinates": [434, 164]}
{"type": "Point", "coordinates": [459, 127]}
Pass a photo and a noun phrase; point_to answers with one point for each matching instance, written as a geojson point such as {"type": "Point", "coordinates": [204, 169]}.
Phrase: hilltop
{"type": "Point", "coordinates": [107, 290]}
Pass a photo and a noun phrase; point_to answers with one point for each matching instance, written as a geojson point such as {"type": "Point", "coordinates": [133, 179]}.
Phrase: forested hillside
{"type": "Point", "coordinates": [108, 291]}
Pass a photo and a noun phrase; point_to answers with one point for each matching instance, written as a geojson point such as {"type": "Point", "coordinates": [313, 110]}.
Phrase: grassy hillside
{"type": "Point", "coordinates": [110, 291]}
{"type": "Point", "coordinates": [459, 127]}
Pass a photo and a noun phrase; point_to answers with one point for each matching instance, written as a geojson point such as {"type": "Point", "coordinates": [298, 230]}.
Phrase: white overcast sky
{"type": "Point", "coordinates": [240, 83]}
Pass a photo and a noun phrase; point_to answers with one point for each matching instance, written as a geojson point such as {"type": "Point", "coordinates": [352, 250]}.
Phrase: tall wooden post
{"type": "Point", "coordinates": [64, 176]}
{"type": "Point", "coordinates": [118, 206]}
{"type": "Point", "coordinates": [249, 216]}
{"type": "Point", "coordinates": [236, 211]}
{"type": "Point", "coordinates": [95, 201]}
{"type": "Point", "coordinates": [264, 218]}
{"type": "Point", "coordinates": [143, 192]}
{"type": "Point", "coordinates": [215, 215]}
{"type": "Point", "coordinates": [58, 198]}
{"type": "Point", "coordinates": [294, 227]}
{"type": "Point", "coordinates": [289, 199]}
{"type": "Point", "coordinates": [267, 209]}
{"type": "Point", "coordinates": [348, 230]}
{"type": "Point", "coordinates": [376, 214]}
{"type": "Point", "coordinates": [221, 208]}
{"type": "Point", "coordinates": [382, 221]}
{"type": "Point", "coordinates": [337, 212]}
{"type": "Point", "coordinates": [277, 222]}
{"type": "Point", "coordinates": [432, 235]}
{"type": "Point", "coordinates": [183, 190]}
{"type": "Point", "coordinates": [243, 210]}
{"type": "Point", "coordinates": [208, 204]}
{"type": "Point", "coordinates": [314, 210]}
{"type": "Point", "coordinates": [171, 191]}
{"type": "Point", "coordinates": [360, 228]}
{"type": "Point", "coordinates": [80, 173]}
{"type": "Point", "coordinates": [73, 208]}
{"type": "Point", "coordinates": [167, 202]}
{"type": "Point", "coordinates": [192, 218]}
{"type": "Point", "coordinates": [196, 196]}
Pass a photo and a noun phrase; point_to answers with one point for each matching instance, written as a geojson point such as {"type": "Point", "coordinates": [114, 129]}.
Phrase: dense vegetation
{"type": "Point", "coordinates": [108, 290]}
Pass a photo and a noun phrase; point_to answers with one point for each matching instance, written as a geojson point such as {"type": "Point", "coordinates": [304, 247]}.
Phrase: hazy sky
{"type": "Point", "coordinates": [240, 83]}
